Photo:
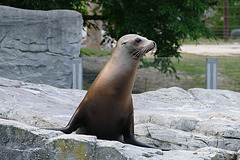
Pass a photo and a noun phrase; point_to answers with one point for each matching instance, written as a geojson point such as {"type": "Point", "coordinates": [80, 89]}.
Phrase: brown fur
{"type": "Point", "coordinates": [107, 109]}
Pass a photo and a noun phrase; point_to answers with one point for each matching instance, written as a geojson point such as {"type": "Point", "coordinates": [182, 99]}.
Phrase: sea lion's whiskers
{"type": "Point", "coordinates": [138, 53]}
{"type": "Point", "coordinates": [143, 50]}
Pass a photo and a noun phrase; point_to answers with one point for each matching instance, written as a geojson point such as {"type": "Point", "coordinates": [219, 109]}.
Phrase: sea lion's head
{"type": "Point", "coordinates": [136, 46]}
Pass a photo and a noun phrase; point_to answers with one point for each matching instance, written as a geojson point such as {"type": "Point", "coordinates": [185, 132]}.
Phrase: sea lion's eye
{"type": "Point", "coordinates": [138, 40]}
{"type": "Point", "coordinates": [125, 42]}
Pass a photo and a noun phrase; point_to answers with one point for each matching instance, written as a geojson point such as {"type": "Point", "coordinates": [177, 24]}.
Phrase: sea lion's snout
{"type": "Point", "coordinates": [154, 44]}
{"type": "Point", "coordinates": [154, 47]}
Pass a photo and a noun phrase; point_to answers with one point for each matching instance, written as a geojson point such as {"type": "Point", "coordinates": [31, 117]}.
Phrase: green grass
{"type": "Point", "coordinates": [192, 69]}
{"type": "Point", "coordinates": [195, 66]}
{"type": "Point", "coordinates": [231, 68]}
{"type": "Point", "coordinates": [191, 63]}
{"type": "Point", "coordinates": [92, 52]}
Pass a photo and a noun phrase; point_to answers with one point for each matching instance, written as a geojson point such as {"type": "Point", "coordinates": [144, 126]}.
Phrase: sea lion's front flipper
{"type": "Point", "coordinates": [128, 134]}
{"type": "Point", "coordinates": [129, 137]}
{"type": "Point", "coordinates": [64, 130]}
{"type": "Point", "coordinates": [75, 122]}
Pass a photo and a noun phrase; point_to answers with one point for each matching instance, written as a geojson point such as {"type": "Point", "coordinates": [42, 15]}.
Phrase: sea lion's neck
{"type": "Point", "coordinates": [123, 62]}
{"type": "Point", "coordinates": [124, 71]}
{"type": "Point", "coordinates": [118, 75]}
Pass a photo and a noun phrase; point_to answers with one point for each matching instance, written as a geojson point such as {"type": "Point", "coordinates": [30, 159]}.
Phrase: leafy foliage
{"type": "Point", "coordinates": [167, 22]}
{"type": "Point", "coordinates": [164, 21]}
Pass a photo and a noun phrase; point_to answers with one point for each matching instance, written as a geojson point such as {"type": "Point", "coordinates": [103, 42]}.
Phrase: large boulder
{"type": "Point", "coordinates": [235, 34]}
{"type": "Point", "coordinates": [189, 120]}
{"type": "Point", "coordinates": [195, 124]}
{"type": "Point", "coordinates": [20, 141]}
{"type": "Point", "coordinates": [38, 46]}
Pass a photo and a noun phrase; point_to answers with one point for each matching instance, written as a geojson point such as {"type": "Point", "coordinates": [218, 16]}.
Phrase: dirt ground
{"type": "Point", "coordinates": [213, 50]}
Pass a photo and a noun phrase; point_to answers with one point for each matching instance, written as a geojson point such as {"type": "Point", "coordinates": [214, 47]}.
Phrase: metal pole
{"type": "Point", "coordinates": [74, 73]}
{"type": "Point", "coordinates": [77, 73]}
{"type": "Point", "coordinates": [226, 20]}
{"type": "Point", "coordinates": [211, 73]}
{"type": "Point", "coordinates": [80, 74]}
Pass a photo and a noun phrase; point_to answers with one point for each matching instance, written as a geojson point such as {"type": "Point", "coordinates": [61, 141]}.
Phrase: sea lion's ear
{"type": "Point", "coordinates": [125, 42]}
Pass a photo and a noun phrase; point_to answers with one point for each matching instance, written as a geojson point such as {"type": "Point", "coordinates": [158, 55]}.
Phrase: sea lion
{"type": "Point", "coordinates": [107, 109]}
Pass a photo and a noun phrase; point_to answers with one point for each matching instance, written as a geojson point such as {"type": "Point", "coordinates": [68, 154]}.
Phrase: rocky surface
{"type": "Point", "coordinates": [195, 124]}
{"type": "Point", "coordinates": [38, 46]}
{"type": "Point", "coordinates": [20, 141]}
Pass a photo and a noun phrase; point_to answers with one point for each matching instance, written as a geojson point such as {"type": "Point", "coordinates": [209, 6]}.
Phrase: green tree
{"type": "Point", "coordinates": [167, 22]}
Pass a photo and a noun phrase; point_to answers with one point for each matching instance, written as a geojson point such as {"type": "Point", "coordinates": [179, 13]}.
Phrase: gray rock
{"type": "Point", "coordinates": [185, 121]}
{"type": "Point", "coordinates": [188, 120]}
{"type": "Point", "coordinates": [235, 34]}
{"type": "Point", "coordinates": [20, 141]}
{"type": "Point", "coordinates": [218, 154]}
{"type": "Point", "coordinates": [72, 147]}
{"type": "Point", "coordinates": [38, 46]}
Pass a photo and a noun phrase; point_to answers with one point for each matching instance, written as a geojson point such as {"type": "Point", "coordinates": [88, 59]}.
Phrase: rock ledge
{"type": "Point", "coordinates": [196, 124]}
